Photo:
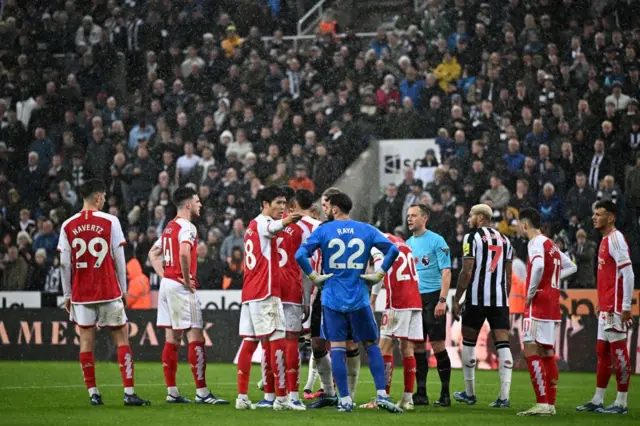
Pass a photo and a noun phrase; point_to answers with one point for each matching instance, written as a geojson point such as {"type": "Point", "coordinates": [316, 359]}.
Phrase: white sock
{"type": "Point", "coordinates": [346, 400]}
{"type": "Point", "coordinates": [598, 397]}
{"type": "Point", "coordinates": [270, 396]}
{"type": "Point", "coordinates": [313, 374]}
{"type": "Point", "coordinates": [243, 396]}
{"type": "Point", "coordinates": [202, 392]}
{"type": "Point", "coordinates": [293, 396]}
{"type": "Point", "coordinates": [173, 391]}
{"type": "Point", "coordinates": [407, 396]}
{"type": "Point", "coordinates": [93, 391]}
{"type": "Point", "coordinates": [469, 369]}
{"type": "Point", "coordinates": [382, 393]}
{"type": "Point", "coordinates": [505, 370]}
{"type": "Point", "coordinates": [353, 372]}
{"type": "Point", "coordinates": [326, 376]}
{"type": "Point", "coordinates": [282, 399]}
{"type": "Point", "coordinates": [621, 399]}
{"type": "Point", "coordinates": [129, 390]}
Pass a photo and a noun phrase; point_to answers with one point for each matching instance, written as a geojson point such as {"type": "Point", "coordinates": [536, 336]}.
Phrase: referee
{"type": "Point", "coordinates": [487, 266]}
{"type": "Point", "coordinates": [433, 265]}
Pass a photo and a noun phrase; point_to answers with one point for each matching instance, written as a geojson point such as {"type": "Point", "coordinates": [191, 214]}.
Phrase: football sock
{"type": "Point", "coordinates": [170, 367]}
{"type": "Point", "coordinates": [313, 374]}
{"type": "Point", "coordinates": [538, 378]}
{"type": "Point", "coordinates": [267, 371]}
{"type": "Point", "coordinates": [293, 365]}
{"type": "Point", "coordinates": [353, 370]}
{"type": "Point", "coordinates": [88, 366]}
{"type": "Point", "coordinates": [388, 371]}
{"type": "Point", "coordinates": [551, 368]}
{"type": "Point", "coordinates": [621, 363]}
{"type": "Point", "coordinates": [469, 366]}
{"type": "Point", "coordinates": [244, 365]}
{"type": "Point", "coordinates": [422, 369]}
{"type": "Point", "coordinates": [505, 368]}
{"type": "Point", "coordinates": [603, 371]}
{"type": "Point", "coordinates": [323, 362]}
{"type": "Point", "coordinates": [278, 365]}
{"type": "Point", "coordinates": [444, 371]}
{"type": "Point", "coordinates": [409, 364]}
{"type": "Point", "coordinates": [198, 361]}
{"type": "Point", "coordinates": [125, 361]}
{"type": "Point", "coordinates": [376, 366]}
{"type": "Point", "coordinates": [339, 369]}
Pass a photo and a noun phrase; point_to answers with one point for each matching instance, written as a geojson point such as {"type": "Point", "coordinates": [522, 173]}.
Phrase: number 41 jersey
{"type": "Point", "coordinates": [92, 238]}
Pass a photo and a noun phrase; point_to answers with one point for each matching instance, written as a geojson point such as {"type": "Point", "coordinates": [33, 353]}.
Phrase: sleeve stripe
{"type": "Point", "coordinates": [124, 243]}
{"type": "Point", "coordinates": [624, 265]}
{"type": "Point", "coordinates": [535, 256]}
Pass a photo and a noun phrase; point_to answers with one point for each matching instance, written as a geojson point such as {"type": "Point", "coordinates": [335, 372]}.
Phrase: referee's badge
{"type": "Point", "coordinates": [425, 260]}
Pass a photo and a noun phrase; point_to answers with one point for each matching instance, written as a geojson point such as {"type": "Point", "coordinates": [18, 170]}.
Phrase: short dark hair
{"type": "Point", "coordinates": [341, 201]}
{"type": "Point", "coordinates": [304, 198]}
{"type": "Point", "coordinates": [532, 216]}
{"type": "Point", "coordinates": [181, 195]}
{"type": "Point", "coordinates": [424, 209]}
{"type": "Point", "coordinates": [289, 193]}
{"type": "Point", "coordinates": [90, 187]}
{"type": "Point", "coordinates": [270, 193]}
{"type": "Point", "coordinates": [608, 205]}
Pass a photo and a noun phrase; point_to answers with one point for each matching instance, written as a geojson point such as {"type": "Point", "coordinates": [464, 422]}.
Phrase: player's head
{"type": "Point", "coordinates": [93, 192]}
{"type": "Point", "coordinates": [325, 195]}
{"type": "Point", "coordinates": [480, 215]}
{"type": "Point", "coordinates": [186, 198]}
{"type": "Point", "coordinates": [529, 220]}
{"type": "Point", "coordinates": [290, 195]}
{"type": "Point", "coordinates": [339, 204]}
{"type": "Point", "coordinates": [273, 201]}
{"type": "Point", "coordinates": [314, 211]}
{"type": "Point", "coordinates": [604, 215]}
{"type": "Point", "coordinates": [417, 217]}
{"type": "Point", "coordinates": [303, 200]}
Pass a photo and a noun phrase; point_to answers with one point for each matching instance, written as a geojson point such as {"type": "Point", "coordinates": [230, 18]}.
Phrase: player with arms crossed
{"type": "Point", "coordinates": [262, 315]}
{"type": "Point", "coordinates": [345, 245]}
{"type": "Point", "coordinates": [94, 279]}
{"type": "Point", "coordinates": [402, 319]}
{"type": "Point", "coordinates": [615, 290]}
{"type": "Point", "coordinates": [487, 266]}
{"type": "Point", "coordinates": [174, 259]}
{"type": "Point", "coordinates": [547, 266]}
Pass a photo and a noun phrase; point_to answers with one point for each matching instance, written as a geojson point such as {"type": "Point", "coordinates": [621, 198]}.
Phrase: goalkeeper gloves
{"type": "Point", "coordinates": [319, 279]}
{"type": "Point", "coordinates": [373, 278]}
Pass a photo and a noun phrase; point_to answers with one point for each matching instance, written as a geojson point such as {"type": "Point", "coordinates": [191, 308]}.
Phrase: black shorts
{"type": "Point", "coordinates": [475, 316]}
{"type": "Point", "coordinates": [316, 318]}
{"type": "Point", "coordinates": [433, 328]}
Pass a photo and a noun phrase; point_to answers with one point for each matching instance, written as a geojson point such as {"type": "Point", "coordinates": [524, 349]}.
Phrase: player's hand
{"type": "Point", "coordinates": [373, 278]}
{"type": "Point", "coordinates": [626, 318]}
{"type": "Point", "coordinates": [455, 310]}
{"type": "Point", "coordinates": [306, 310]}
{"type": "Point", "coordinates": [441, 309]}
{"type": "Point", "coordinates": [67, 305]}
{"type": "Point", "coordinates": [124, 301]}
{"type": "Point", "coordinates": [292, 218]}
{"type": "Point", "coordinates": [319, 279]}
{"type": "Point", "coordinates": [191, 286]}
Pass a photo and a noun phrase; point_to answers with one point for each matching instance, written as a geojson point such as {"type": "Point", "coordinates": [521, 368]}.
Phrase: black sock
{"type": "Point", "coordinates": [353, 353]}
{"type": "Point", "coordinates": [444, 370]}
{"type": "Point", "coordinates": [422, 369]}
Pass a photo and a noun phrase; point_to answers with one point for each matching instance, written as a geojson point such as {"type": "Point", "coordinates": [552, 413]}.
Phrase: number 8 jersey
{"type": "Point", "coordinates": [261, 273]}
{"type": "Point", "coordinates": [92, 238]}
{"type": "Point", "coordinates": [545, 305]}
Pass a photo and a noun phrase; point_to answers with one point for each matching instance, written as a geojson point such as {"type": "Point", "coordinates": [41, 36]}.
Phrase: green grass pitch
{"type": "Point", "coordinates": [52, 393]}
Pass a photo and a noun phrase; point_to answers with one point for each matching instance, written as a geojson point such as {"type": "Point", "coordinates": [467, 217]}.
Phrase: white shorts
{"type": "Point", "coordinates": [404, 325]}
{"type": "Point", "coordinates": [610, 327]}
{"type": "Point", "coordinates": [178, 308]}
{"type": "Point", "coordinates": [262, 318]}
{"type": "Point", "coordinates": [293, 317]}
{"type": "Point", "coordinates": [105, 314]}
{"type": "Point", "coordinates": [540, 332]}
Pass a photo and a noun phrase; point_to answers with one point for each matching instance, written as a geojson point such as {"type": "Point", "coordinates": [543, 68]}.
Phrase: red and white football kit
{"type": "Point", "coordinates": [178, 308]}
{"type": "Point", "coordinates": [93, 277]}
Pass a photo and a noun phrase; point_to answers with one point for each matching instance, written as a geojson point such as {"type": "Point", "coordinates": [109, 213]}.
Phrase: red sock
{"type": "Point", "coordinates": [293, 364]}
{"type": "Point", "coordinates": [170, 363]}
{"type": "Point", "coordinates": [244, 365]}
{"type": "Point", "coordinates": [125, 360]}
{"type": "Point", "coordinates": [278, 349]}
{"type": "Point", "coordinates": [538, 378]}
{"type": "Point", "coordinates": [267, 371]}
{"type": "Point", "coordinates": [409, 363]}
{"type": "Point", "coordinates": [620, 355]}
{"type": "Point", "coordinates": [88, 369]}
{"type": "Point", "coordinates": [603, 369]}
{"type": "Point", "coordinates": [551, 368]}
{"type": "Point", "coordinates": [198, 362]}
{"type": "Point", "coordinates": [388, 371]}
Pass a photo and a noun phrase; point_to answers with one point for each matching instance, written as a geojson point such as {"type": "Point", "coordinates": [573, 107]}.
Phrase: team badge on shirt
{"type": "Point", "coordinates": [425, 260]}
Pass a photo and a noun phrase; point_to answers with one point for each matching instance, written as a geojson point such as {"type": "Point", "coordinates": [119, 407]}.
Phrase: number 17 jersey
{"type": "Point", "coordinates": [91, 238]}
{"type": "Point", "coordinates": [545, 305]}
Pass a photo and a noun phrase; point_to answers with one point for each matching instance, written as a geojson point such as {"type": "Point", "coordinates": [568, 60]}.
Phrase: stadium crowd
{"type": "Point", "coordinates": [532, 104]}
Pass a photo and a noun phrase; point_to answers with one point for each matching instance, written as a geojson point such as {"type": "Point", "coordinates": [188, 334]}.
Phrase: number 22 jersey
{"type": "Point", "coordinates": [92, 237]}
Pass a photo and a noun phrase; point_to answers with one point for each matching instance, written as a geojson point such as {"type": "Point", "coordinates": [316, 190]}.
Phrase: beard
{"type": "Point", "coordinates": [330, 217]}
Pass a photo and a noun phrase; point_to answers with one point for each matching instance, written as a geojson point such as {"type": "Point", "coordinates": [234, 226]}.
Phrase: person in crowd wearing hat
{"type": "Point", "coordinates": [619, 99]}
{"type": "Point", "coordinates": [231, 42]}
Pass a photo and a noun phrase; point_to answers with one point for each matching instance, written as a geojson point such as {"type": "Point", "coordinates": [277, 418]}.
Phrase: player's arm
{"type": "Point", "coordinates": [65, 267]}
{"type": "Point", "coordinates": [155, 258]}
{"type": "Point", "coordinates": [271, 228]}
{"type": "Point", "coordinates": [620, 253]}
{"type": "Point", "coordinates": [185, 265]}
{"type": "Point", "coordinates": [117, 246]}
{"type": "Point", "coordinates": [443, 256]}
{"type": "Point", "coordinates": [568, 267]}
{"type": "Point", "coordinates": [378, 257]}
{"type": "Point", "coordinates": [303, 254]}
{"type": "Point", "coordinates": [464, 278]}
{"type": "Point", "coordinates": [508, 269]}
{"type": "Point", "coordinates": [537, 270]}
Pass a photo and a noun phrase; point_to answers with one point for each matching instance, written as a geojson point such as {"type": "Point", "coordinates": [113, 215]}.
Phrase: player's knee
{"type": "Point", "coordinates": [438, 347]}
{"type": "Point", "coordinates": [318, 344]}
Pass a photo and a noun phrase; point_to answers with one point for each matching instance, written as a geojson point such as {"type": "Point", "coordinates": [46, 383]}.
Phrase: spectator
{"type": "Point", "coordinates": [497, 193]}
{"type": "Point", "coordinates": [447, 72]}
{"type": "Point", "coordinates": [209, 271]}
{"type": "Point", "coordinates": [139, 288]}
{"type": "Point", "coordinates": [579, 200]}
{"type": "Point", "coordinates": [231, 42]}
{"type": "Point", "coordinates": [233, 271]}
{"type": "Point", "coordinates": [387, 213]}
{"type": "Point", "coordinates": [15, 270]}
{"type": "Point", "coordinates": [38, 272]}
{"type": "Point", "coordinates": [234, 240]}
{"type": "Point", "coordinates": [550, 207]}
{"type": "Point", "coordinates": [585, 255]}
{"type": "Point", "coordinates": [301, 179]}
{"type": "Point", "coordinates": [47, 239]}
{"type": "Point", "coordinates": [88, 34]}
{"type": "Point", "coordinates": [410, 88]}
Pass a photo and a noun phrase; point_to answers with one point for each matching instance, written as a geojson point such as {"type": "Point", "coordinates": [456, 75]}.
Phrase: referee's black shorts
{"type": "Point", "coordinates": [475, 316]}
{"type": "Point", "coordinates": [433, 328]}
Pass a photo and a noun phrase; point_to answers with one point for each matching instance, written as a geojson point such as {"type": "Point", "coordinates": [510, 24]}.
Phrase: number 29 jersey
{"type": "Point", "coordinates": [545, 305]}
{"type": "Point", "coordinates": [178, 231]}
{"type": "Point", "coordinates": [91, 238]}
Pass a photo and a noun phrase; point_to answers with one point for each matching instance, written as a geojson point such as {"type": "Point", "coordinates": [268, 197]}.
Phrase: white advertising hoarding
{"type": "Point", "coordinates": [397, 154]}
{"type": "Point", "coordinates": [20, 300]}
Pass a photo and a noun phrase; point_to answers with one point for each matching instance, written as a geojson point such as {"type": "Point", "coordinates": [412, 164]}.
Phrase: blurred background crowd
{"type": "Point", "coordinates": [531, 102]}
